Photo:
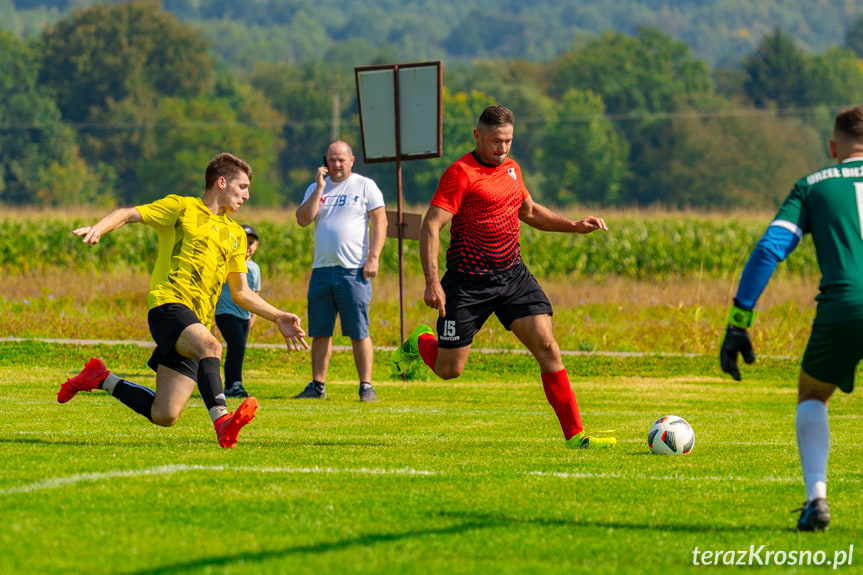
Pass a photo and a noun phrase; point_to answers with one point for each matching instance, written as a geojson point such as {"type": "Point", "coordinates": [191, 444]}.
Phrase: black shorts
{"type": "Point", "coordinates": [471, 299]}
{"type": "Point", "coordinates": [833, 352]}
{"type": "Point", "coordinates": [167, 322]}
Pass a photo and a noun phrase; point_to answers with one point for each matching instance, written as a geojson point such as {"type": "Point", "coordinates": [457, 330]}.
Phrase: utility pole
{"type": "Point", "coordinates": [335, 128]}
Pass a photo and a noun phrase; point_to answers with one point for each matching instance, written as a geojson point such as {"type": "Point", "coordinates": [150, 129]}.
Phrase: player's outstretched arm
{"type": "Point", "coordinates": [288, 323]}
{"type": "Point", "coordinates": [590, 224]}
{"type": "Point", "coordinates": [120, 217]}
{"type": "Point", "coordinates": [737, 341]}
{"type": "Point", "coordinates": [539, 217]}
{"type": "Point", "coordinates": [289, 326]}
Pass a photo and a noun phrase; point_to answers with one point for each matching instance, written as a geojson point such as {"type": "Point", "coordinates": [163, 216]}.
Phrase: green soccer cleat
{"type": "Point", "coordinates": [409, 351]}
{"type": "Point", "coordinates": [585, 441]}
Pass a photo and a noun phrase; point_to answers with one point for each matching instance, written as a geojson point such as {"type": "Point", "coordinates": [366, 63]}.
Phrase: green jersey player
{"type": "Point", "coordinates": [829, 205]}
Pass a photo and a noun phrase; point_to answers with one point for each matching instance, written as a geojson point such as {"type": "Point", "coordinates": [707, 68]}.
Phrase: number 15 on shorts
{"type": "Point", "coordinates": [448, 332]}
{"type": "Point", "coordinates": [448, 328]}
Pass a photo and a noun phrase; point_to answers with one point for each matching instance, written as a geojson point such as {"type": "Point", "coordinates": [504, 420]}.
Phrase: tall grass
{"type": "Point", "coordinates": [611, 314]}
{"type": "Point", "coordinates": [648, 245]}
{"type": "Point", "coordinates": [656, 282]}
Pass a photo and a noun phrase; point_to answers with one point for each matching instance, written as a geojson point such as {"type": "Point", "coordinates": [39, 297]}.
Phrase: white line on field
{"type": "Point", "coordinates": [56, 482]}
{"type": "Point", "coordinates": [516, 351]}
{"type": "Point", "coordinates": [672, 477]}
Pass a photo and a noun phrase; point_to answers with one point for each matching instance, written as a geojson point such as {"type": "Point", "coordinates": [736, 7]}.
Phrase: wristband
{"type": "Point", "coordinates": [741, 318]}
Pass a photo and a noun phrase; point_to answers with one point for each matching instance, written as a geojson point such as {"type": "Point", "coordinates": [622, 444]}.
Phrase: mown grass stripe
{"type": "Point", "coordinates": [56, 482]}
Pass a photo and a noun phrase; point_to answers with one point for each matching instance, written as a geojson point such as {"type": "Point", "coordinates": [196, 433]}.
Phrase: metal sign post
{"type": "Point", "coordinates": [401, 118]}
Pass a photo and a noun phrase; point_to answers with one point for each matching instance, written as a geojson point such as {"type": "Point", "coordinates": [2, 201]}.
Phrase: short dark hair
{"type": "Point", "coordinates": [849, 122]}
{"type": "Point", "coordinates": [495, 116]}
{"type": "Point", "coordinates": [225, 165]}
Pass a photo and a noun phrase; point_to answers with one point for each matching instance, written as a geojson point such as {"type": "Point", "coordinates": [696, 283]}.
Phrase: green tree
{"type": "Point", "coordinates": [854, 37]}
{"type": "Point", "coordinates": [7, 15]}
{"type": "Point", "coordinates": [108, 53]}
{"type": "Point", "coordinates": [190, 132]}
{"type": "Point", "coordinates": [776, 73]}
{"type": "Point", "coordinates": [243, 44]}
{"type": "Point", "coordinates": [640, 79]}
{"type": "Point", "coordinates": [72, 183]}
{"type": "Point", "coordinates": [109, 65]}
{"type": "Point", "coordinates": [835, 78]}
{"type": "Point", "coordinates": [638, 74]}
{"type": "Point", "coordinates": [584, 159]}
{"type": "Point", "coordinates": [487, 33]}
{"type": "Point", "coordinates": [731, 158]}
{"type": "Point", "coordinates": [34, 144]}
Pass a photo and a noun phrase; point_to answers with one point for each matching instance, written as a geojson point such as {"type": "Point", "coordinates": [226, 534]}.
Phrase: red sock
{"type": "Point", "coordinates": [427, 345]}
{"type": "Point", "coordinates": [559, 393]}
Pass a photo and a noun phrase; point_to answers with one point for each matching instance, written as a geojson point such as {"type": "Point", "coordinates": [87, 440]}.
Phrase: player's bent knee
{"type": "Point", "coordinates": [448, 372]}
{"type": "Point", "coordinates": [212, 348]}
{"type": "Point", "coordinates": [165, 422]}
{"type": "Point", "coordinates": [809, 388]}
{"type": "Point", "coordinates": [450, 362]}
{"type": "Point", "coordinates": [164, 419]}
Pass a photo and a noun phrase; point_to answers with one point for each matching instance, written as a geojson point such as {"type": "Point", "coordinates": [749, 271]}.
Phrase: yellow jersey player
{"type": "Point", "coordinates": [200, 247]}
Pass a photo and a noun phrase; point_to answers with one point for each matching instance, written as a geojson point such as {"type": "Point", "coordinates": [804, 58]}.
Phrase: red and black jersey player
{"type": "Point", "coordinates": [483, 198]}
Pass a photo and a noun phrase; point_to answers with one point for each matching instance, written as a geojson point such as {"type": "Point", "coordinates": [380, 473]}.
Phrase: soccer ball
{"type": "Point", "coordinates": [670, 435]}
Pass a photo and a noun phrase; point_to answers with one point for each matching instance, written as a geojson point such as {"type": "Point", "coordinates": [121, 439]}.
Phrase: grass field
{"type": "Point", "coordinates": [466, 476]}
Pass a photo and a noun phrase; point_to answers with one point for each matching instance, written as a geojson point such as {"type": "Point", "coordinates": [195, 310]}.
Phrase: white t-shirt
{"type": "Point", "coordinates": [342, 223]}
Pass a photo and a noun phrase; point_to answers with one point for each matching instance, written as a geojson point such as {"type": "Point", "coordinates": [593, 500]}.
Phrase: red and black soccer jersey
{"type": "Point", "coordinates": [485, 201]}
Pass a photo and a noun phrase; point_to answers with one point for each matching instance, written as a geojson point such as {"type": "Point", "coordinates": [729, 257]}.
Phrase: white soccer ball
{"type": "Point", "coordinates": [671, 435]}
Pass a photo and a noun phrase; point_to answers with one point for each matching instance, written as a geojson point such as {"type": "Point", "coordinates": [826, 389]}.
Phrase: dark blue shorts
{"type": "Point", "coordinates": [471, 299]}
{"type": "Point", "coordinates": [343, 292]}
{"type": "Point", "coordinates": [167, 322]}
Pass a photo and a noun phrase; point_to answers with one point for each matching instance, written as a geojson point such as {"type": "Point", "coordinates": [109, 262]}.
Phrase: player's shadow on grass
{"type": "Point", "coordinates": [500, 519]}
{"type": "Point", "coordinates": [314, 549]}
{"type": "Point", "coordinates": [34, 441]}
{"type": "Point", "coordinates": [280, 443]}
{"type": "Point", "coordinates": [468, 522]}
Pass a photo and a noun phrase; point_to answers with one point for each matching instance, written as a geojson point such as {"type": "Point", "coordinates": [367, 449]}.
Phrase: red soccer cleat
{"type": "Point", "coordinates": [91, 376]}
{"type": "Point", "coordinates": [228, 426]}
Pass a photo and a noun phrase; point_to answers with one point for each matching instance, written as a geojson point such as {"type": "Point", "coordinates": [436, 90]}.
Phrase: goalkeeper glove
{"type": "Point", "coordinates": [737, 341]}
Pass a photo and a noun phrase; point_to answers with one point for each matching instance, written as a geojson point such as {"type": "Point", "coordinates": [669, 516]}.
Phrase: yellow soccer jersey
{"type": "Point", "coordinates": [197, 250]}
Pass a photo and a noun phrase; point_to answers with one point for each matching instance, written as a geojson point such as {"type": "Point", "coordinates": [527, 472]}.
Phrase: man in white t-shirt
{"type": "Point", "coordinates": [342, 203]}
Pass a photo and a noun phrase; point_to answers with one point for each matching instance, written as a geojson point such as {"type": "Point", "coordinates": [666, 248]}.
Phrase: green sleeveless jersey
{"type": "Point", "coordinates": [829, 205]}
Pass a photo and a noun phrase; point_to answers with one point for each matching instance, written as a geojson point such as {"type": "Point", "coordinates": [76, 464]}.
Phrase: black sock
{"type": "Point", "coordinates": [137, 397]}
{"type": "Point", "coordinates": [210, 383]}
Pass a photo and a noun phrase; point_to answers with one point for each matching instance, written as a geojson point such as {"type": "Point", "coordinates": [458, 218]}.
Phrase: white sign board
{"type": "Point", "coordinates": [400, 111]}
